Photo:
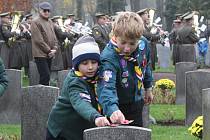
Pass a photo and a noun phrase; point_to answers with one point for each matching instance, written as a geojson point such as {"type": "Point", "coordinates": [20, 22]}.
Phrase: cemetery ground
{"type": "Point", "coordinates": [169, 118]}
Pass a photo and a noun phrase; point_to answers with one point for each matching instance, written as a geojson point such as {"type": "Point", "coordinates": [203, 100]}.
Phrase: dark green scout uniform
{"type": "Point", "coordinates": [101, 35]}
{"type": "Point", "coordinates": [121, 86]}
{"type": "Point", "coordinates": [186, 38]}
{"type": "Point", "coordinates": [75, 110]}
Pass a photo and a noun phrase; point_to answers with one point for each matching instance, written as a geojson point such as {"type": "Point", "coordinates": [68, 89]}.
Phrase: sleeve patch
{"type": "Point", "coordinates": [107, 75]}
{"type": "Point", "coordinates": [85, 97]}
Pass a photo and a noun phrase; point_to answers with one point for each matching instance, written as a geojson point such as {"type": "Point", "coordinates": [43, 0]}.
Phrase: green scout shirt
{"type": "Point", "coordinates": [74, 110]}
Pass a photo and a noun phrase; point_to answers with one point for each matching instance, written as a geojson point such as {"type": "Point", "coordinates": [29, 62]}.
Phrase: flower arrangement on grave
{"type": "Point", "coordinates": [197, 127]}
{"type": "Point", "coordinates": [164, 84]}
{"type": "Point", "coordinates": [162, 92]}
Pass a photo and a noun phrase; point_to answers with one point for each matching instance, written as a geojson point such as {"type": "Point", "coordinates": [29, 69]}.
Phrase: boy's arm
{"type": "Point", "coordinates": [81, 102]}
{"type": "Point", "coordinates": [106, 88]}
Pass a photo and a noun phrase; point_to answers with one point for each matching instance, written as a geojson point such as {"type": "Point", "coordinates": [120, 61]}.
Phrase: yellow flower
{"type": "Point", "coordinates": [165, 84]}
{"type": "Point", "coordinates": [197, 127]}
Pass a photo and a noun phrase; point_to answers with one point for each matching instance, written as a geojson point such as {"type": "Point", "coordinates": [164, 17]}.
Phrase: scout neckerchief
{"type": "Point", "coordinates": [92, 80]}
{"type": "Point", "coordinates": [132, 58]}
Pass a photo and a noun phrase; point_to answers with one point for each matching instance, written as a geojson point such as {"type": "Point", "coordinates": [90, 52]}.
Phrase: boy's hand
{"type": "Point", "coordinates": [102, 121]}
{"type": "Point", "coordinates": [117, 117]}
{"type": "Point", "coordinates": [148, 97]}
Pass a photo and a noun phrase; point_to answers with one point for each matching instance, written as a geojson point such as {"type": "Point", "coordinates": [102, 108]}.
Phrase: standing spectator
{"type": "Point", "coordinates": [44, 42]}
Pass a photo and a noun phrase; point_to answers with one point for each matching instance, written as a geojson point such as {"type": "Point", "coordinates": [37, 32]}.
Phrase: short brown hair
{"type": "Point", "coordinates": [128, 25]}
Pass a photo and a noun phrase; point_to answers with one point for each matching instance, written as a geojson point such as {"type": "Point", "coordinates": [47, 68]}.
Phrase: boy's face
{"type": "Point", "coordinates": [88, 67]}
{"type": "Point", "coordinates": [127, 46]}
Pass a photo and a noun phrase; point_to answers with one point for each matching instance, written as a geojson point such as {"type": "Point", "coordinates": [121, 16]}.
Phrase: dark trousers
{"type": "Point", "coordinates": [133, 111]}
{"type": "Point", "coordinates": [50, 137]}
{"type": "Point", "coordinates": [43, 65]}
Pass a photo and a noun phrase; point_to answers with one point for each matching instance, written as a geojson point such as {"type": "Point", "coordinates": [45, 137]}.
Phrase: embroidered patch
{"type": "Point", "coordinates": [141, 45]}
{"type": "Point", "coordinates": [85, 97]}
{"type": "Point", "coordinates": [107, 75]}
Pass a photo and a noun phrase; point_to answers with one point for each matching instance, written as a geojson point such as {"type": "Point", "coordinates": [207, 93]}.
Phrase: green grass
{"type": "Point", "coordinates": [165, 112]}
{"type": "Point", "coordinates": [10, 131]}
{"type": "Point", "coordinates": [170, 69]}
{"type": "Point", "coordinates": [171, 133]}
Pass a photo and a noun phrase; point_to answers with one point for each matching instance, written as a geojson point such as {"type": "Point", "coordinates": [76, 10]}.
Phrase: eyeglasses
{"type": "Point", "coordinates": [46, 10]}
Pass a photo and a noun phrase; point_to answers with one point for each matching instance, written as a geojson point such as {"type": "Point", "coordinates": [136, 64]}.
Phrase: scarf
{"type": "Point", "coordinates": [92, 80]}
{"type": "Point", "coordinates": [129, 58]}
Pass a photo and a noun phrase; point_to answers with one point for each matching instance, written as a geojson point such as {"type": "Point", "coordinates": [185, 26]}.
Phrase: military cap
{"type": "Point", "coordinates": [55, 17]}
{"type": "Point", "coordinates": [4, 14]}
{"type": "Point", "coordinates": [99, 14]}
{"type": "Point", "coordinates": [142, 11]}
{"type": "Point", "coordinates": [184, 15]}
{"type": "Point", "coordinates": [70, 15]}
{"type": "Point", "coordinates": [190, 15]}
{"type": "Point", "coordinates": [45, 6]}
{"type": "Point", "coordinates": [28, 15]}
{"type": "Point", "coordinates": [178, 15]}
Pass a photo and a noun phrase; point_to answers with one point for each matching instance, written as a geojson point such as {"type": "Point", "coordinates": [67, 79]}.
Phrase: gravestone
{"type": "Point", "coordinates": [117, 133]}
{"type": "Point", "coordinates": [181, 68]}
{"type": "Point", "coordinates": [33, 74]}
{"type": "Point", "coordinates": [195, 82]}
{"type": "Point", "coordinates": [206, 113]}
{"type": "Point", "coordinates": [37, 102]}
{"type": "Point", "coordinates": [163, 54]}
{"type": "Point", "coordinates": [61, 77]}
{"type": "Point", "coordinates": [10, 102]}
{"type": "Point", "coordinates": [145, 116]}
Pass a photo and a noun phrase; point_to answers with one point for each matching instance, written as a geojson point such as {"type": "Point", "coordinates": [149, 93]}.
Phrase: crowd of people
{"type": "Point", "coordinates": [110, 66]}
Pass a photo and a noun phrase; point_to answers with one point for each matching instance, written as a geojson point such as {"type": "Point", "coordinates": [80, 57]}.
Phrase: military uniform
{"type": "Point", "coordinates": [100, 33]}
{"type": "Point", "coordinates": [3, 78]}
{"type": "Point", "coordinates": [186, 38]}
{"type": "Point", "coordinates": [75, 110]}
{"type": "Point", "coordinates": [5, 34]}
{"type": "Point", "coordinates": [119, 86]}
{"type": "Point", "coordinates": [152, 44]}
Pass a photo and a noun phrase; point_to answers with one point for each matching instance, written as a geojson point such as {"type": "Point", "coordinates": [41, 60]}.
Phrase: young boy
{"type": "Point", "coordinates": [77, 107]}
{"type": "Point", "coordinates": [125, 67]}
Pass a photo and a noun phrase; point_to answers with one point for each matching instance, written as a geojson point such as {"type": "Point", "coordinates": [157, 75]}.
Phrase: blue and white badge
{"type": "Point", "coordinates": [141, 45]}
{"type": "Point", "coordinates": [107, 75]}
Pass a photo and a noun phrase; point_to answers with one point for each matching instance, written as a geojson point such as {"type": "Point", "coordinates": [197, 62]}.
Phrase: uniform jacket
{"type": "Point", "coordinates": [101, 35]}
{"type": "Point", "coordinates": [117, 87]}
{"type": "Point", "coordinates": [75, 109]}
{"type": "Point", "coordinates": [5, 32]}
{"type": "Point", "coordinates": [43, 37]}
{"type": "Point", "coordinates": [187, 35]}
{"type": "Point", "coordinates": [3, 78]}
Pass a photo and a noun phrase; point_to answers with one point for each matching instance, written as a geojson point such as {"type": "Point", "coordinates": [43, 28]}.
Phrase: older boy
{"type": "Point", "coordinates": [125, 68]}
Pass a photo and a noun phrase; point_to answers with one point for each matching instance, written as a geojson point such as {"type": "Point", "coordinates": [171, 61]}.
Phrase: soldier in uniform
{"type": "Point", "coordinates": [5, 34]}
{"type": "Point", "coordinates": [152, 38]}
{"type": "Point", "coordinates": [100, 33]}
{"type": "Point", "coordinates": [172, 36]}
{"type": "Point", "coordinates": [186, 38]}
